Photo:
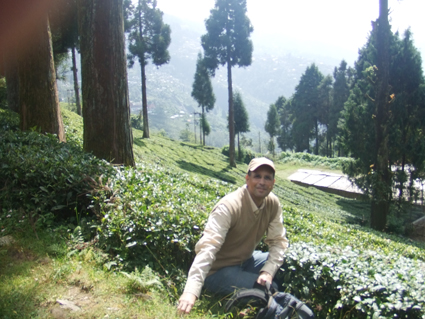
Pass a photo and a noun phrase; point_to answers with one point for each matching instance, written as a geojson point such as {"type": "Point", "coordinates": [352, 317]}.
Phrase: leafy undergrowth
{"type": "Point", "coordinates": [152, 216]}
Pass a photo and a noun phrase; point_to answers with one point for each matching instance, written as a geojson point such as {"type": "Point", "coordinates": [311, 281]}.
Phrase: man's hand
{"type": "Point", "coordinates": [186, 302]}
{"type": "Point", "coordinates": [264, 276]}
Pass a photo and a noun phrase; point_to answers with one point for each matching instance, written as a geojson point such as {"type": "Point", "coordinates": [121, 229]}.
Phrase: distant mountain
{"type": "Point", "coordinates": [275, 71]}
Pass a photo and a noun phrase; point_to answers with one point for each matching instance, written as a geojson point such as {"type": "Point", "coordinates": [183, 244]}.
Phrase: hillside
{"type": "Point", "coordinates": [152, 215]}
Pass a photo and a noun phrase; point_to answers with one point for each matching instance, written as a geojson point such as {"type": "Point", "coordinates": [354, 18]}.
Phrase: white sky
{"type": "Point", "coordinates": [342, 24]}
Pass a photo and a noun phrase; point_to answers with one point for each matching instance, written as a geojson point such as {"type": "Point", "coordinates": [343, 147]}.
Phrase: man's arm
{"type": "Point", "coordinates": [207, 247]}
{"type": "Point", "coordinates": [277, 242]}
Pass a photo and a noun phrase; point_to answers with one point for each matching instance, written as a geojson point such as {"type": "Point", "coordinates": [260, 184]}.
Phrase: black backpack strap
{"type": "Point", "coordinates": [245, 294]}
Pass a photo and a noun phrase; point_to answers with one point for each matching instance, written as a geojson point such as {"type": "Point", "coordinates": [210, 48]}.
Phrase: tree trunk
{"type": "Point", "coordinates": [200, 132]}
{"type": "Point", "coordinates": [317, 136]}
{"type": "Point", "coordinates": [203, 130]}
{"type": "Point", "coordinates": [232, 161]}
{"type": "Point", "coordinates": [144, 101]}
{"type": "Point", "coordinates": [38, 95]}
{"type": "Point", "coordinates": [239, 150]}
{"type": "Point", "coordinates": [106, 109]}
{"type": "Point", "coordinates": [76, 89]}
{"type": "Point", "coordinates": [382, 186]}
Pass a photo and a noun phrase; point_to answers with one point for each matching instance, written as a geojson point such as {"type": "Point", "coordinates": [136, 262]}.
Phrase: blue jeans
{"type": "Point", "coordinates": [228, 279]}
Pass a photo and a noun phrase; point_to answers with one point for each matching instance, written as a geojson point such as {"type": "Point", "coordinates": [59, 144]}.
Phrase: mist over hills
{"type": "Point", "coordinates": [275, 71]}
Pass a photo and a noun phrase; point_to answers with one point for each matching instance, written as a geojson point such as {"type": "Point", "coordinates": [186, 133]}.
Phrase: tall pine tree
{"type": "Point", "coordinates": [241, 119]}
{"type": "Point", "coordinates": [202, 92]}
{"type": "Point", "coordinates": [401, 123]}
{"type": "Point", "coordinates": [149, 39]}
{"type": "Point", "coordinates": [306, 110]}
{"type": "Point", "coordinates": [272, 126]}
{"type": "Point", "coordinates": [227, 42]}
{"type": "Point", "coordinates": [325, 102]}
{"type": "Point", "coordinates": [284, 138]}
{"type": "Point", "coordinates": [340, 93]}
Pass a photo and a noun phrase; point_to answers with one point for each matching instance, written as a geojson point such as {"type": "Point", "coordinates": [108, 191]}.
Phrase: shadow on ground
{"type": "Point", "coordinates": [194, 168]}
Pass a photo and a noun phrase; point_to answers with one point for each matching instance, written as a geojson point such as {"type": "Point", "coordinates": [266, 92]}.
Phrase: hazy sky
{"type": "Point", "coordinates": [337, 25]}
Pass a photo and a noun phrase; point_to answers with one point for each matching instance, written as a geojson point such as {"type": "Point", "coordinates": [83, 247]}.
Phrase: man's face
{"type": "Point", "coordinates": [260, 183]}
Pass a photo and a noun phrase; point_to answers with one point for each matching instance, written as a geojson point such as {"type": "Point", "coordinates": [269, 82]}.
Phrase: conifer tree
{"type": "Point", "coordinates": [227, 42]}
{"type": "Point", "coordinates": [241, 119]}
{"type": "Point", "coordinates": [284, 137]}
{"type": "Point", "coordinates": [305, 109]}
{"type": "Point", "coordinates": [340, 93]}
{"type": "Point", "coordinates": [325, 102]}
{"type": "Point", "coordinates": [272, 126]}
{"type": "Point", "coordinates": [381, 191]}
{"type": "Point", "coordinates": [202, 92]}
{"type": "Point", "coordinates": [401, 122]}
{"type": "Point", "coordinates": [149, 39]}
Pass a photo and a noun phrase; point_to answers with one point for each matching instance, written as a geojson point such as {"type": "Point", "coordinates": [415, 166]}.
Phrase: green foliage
{"type": "Point", "coordinates": [136, 122]}
{"type": "Point", "coordinates": [352, 283]}
{"type": "Point", "coordinates": [187, 135]}
{"type": "Point", "coordinates": [405, 118]}
{"type": "Point", "coordinates": [43, 180]}
{"type": "Point", "coordinates": [284, 136]}
{"type": "Point", "coordinates": [272, 127]}
{"type": "Point", "coordinates": [227, 39]}
{"type": "Point", "coordinates": [272, 123]}
{"type": "Point", "coordinates": [3, 93]}
{"type": "Point", "coordinates": [340, 93]}
{"type": "Point", "coordinates": [9, 121]}
{"type": "Point", "coordinates": [142, 281]}
{"type": "Point", "coordinates": [154, 217]}
{"type": "Point", "coordinates": [305, 108]}
{"type": "Point", "coordinates": [314, 160]}
{"type": "Point", "coordinates": [205, 125]}
{"type": "Point", "coordinates": [149, 37]}
{"type": "Point", "coordinates": [241, 115]}
{"type": "Point", "coordinates": [202, 90]}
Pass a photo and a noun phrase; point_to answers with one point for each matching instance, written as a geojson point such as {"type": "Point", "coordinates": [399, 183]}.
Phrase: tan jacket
{"type": "Point", "coordinates": [234, 228]}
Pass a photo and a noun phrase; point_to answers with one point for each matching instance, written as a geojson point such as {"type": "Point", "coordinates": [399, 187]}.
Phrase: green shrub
{"type": "Point", "coordinates": [154, 217]}
{"type": "Point", "coordinates": [136, 122]}
{"type": "Point", "coordinates": [225, 150]}
{"type": "Point", "coordinates": [8, 120]}
{"type": "Point", "coordinates": [3, 92]}
{"type": "Point", "coordinates": [351, 283]}
{"type": "Point", "coordinates": [43, 180]}
{"type": "Point", "coordinates": [247, 155]}
{"type": "Point", "coordinates": [314, 160]}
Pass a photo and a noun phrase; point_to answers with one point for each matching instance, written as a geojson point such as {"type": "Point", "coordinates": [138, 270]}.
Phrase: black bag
{"type": "Point", "coordinates": [275, 305]}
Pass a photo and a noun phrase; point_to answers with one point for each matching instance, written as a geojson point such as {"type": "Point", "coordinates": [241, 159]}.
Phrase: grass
{"type": "Point", "coordinates": [35, 274]}
{"type": "Point", "coordinates": [35, 278]}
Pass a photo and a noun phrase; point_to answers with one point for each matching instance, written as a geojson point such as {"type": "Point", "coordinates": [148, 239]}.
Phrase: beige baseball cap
{"type": "Point", "coordinates": [260, 161]}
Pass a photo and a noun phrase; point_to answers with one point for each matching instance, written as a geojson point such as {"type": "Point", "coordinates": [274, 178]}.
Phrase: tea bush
{"type": "Point", "coordinates": [351, 283]}
{"type": "Point", "coordinates": [43, 181]}
{"type": "Point", "coordinates": [155, 216]}
{"type": "Point", "coordinates": [314, 160]}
